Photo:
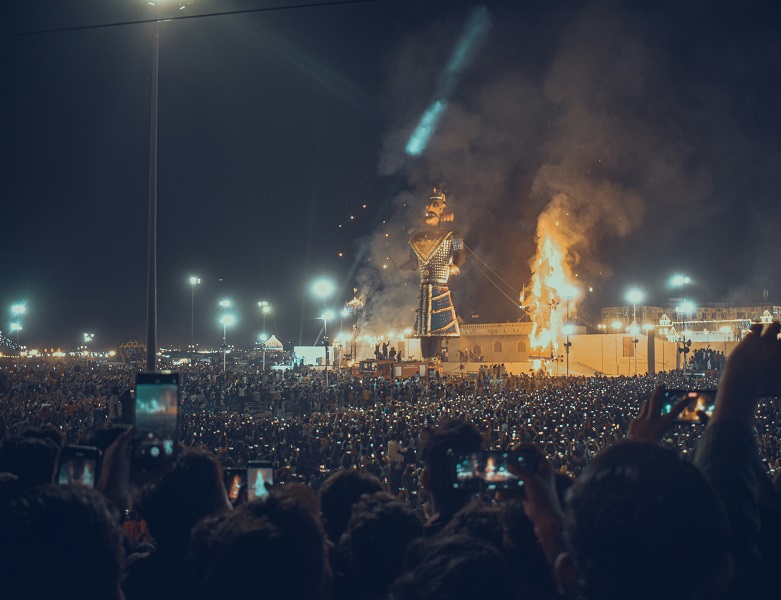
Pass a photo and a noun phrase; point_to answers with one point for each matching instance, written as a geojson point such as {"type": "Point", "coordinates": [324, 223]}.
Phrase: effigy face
{"type": "Point", "coordinates": [434, 210]}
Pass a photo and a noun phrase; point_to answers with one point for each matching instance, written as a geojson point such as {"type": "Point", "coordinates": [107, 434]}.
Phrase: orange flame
{"type": "Point", "coordinates": [552, 285]}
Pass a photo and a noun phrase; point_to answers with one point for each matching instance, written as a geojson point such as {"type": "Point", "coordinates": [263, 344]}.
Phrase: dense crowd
{"type": "Point", "coordinates": [358, 478]}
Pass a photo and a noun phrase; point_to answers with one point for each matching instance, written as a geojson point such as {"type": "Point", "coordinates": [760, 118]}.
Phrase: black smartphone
{"type": "Point", "coordinates": [259, 472]}
{"type": "Point", "coordinates": [488, 469]}
{"type": "Point", "coordinates": [235, 479]}
{"type": "Point", "coordinates": [700, 401]}
{"type": "Point", "coordinates": [79, 465]}
{"type": "Point", "coordinates": [156, 418]}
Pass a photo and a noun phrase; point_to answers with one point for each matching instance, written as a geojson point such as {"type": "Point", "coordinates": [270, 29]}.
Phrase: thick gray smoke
{"type": "Point", "coordinates": [591, 106]}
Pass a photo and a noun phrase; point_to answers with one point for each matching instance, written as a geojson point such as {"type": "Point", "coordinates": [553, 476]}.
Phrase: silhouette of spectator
{"type": "Point", "coordinates": [60, 542]}
{"type": "Point", "coordinates": [458, 437]}
{"type": "Point", "coordinates": [379, 526]}
{"type": "Point", "coordinates": [454, 568]}
{"type": "Point", "coordinates": [271, 548]}
{"type": "Point", "coordinates": [339, 493]}
{"type": "Point", "coordinates": [33, 459]}
{"type": "Point", "coordinates": [643, 523]}
{"type": "Point", "coordinates": [171, 507]}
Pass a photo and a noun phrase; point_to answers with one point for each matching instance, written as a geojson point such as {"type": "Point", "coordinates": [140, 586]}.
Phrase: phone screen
{"type": "Point", "coordinates": [489, 470]}
{"type": "Point", "coordinates": [78, 465]}
{"type": "Point", "coordinates": [257, 476]}
{"type": "Point", "coordinates": [699, 401]}
{"type": "Point", "coordinates": [235, 480]}
{"type": "Point", "coordinates": [157, 409]}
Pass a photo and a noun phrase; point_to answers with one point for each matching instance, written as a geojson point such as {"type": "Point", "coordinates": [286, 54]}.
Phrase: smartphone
{"type": "Point", "coordinates": [235, 479]}
{"type": "Point", "coordinates": [488, 469]}
{"type": "Point", "coordinates": [79, 465]}
{"type": "Point", "coordinates": [156, 418]}
{"type": "Point", "coordinates": [259, 472]}
{"type": "Point", "coordinates": [700, 401]}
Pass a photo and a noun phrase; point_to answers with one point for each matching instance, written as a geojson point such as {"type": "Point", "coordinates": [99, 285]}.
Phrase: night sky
{"type": "Point", "coordinates": [283, 137]}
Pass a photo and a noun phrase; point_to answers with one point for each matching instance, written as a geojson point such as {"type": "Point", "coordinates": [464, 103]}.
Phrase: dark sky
{"type": "Point", "coordinates": [658, 122]}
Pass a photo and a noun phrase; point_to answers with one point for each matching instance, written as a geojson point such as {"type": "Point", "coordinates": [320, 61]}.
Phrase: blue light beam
{"type": "Point", "coordinates": [428, 123]}
{"type": "Point", "coordinates": [461, 57]}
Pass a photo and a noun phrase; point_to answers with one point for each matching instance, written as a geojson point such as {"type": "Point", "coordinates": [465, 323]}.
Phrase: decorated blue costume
{"type": "Point", "coordinates": [437, 253]}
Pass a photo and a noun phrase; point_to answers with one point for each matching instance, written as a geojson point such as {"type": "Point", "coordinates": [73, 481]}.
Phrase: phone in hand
{"type": "Point", "coordinates": [700, 402]}
{"type": "Point", "coordinates": [259, 473]}
{"type": "Point", "coordinates": [79, 465]}
{"type": "Point", "coordinates": [488, 469]}
{"type": "Point", "coordinates": [235, 479]}
{"type": "Point", "coordinates": [156, 418]}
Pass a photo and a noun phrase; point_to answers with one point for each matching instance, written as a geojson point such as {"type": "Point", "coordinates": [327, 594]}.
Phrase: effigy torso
{"type": "Point", "coordinates": [434, 249]}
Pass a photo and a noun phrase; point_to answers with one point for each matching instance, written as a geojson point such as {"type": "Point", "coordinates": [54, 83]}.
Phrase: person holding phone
{"type": "Point", "coordinates": [171, 506]}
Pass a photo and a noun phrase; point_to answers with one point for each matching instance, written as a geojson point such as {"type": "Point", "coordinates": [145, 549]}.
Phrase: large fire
{"type": "Point", "coordinates": [552, 291]}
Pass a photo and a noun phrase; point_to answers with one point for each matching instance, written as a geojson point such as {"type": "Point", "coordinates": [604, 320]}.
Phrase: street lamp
{"type": "Point", "coordinates": [328, 314]}
{"type": "Point", "coordinates": [263, 338]}
{"type": "Point", "coordinates": [87, 339]}
{"type": "Point", "coordinates": [323, 288]}
{"type": "Point", "coordinates": [193, 282]}
{"type": "Point", "coordinates": [226, 320]}
{"type": "Point", "coordinates": [603, 328]}
{"type": "Point", "coordinates": [265, 308]}
{"type": "Point", "coordinates": [634, 296]}
{"type": "Point", "coordinates": [568, 330]}
{"type": "Point", "coordinates": [17, 327]}
{"type": "Point", "coordinates": [151, 252]}
{"type": "Point", "coordinates": [616, 328]}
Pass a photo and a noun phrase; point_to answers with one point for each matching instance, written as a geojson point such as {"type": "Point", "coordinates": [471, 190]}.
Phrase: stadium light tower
{"type": "Point", "coordinates": [227, 320]}
{"type": "Point", "coordinates": [194, 281]}
{"type": "Point", "coordinates": [265, 308]}
{"type": "Point", "coordinates": [151, 252]}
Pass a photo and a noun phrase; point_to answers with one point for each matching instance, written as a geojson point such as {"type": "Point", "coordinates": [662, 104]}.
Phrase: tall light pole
{"type": "Point", "coordinates": [603, 328]}
{"type": "Point", "coordinates": [326, 315]}
{"type": "Point", "coordinates": [226, 319]}
{"type": "Point", "coordinates": [616, 328]}
{"type": "Point", "coordinates": [323, 288]}
{"type": "Point", "coordinates": [679, 281]}
{"type": "Point", "coordinates": [263, 338]}
{"type": "Point", "coordinates": [151, 254]}
{"type": "Point", "coordinates": [634, 296]}
{"type": "Point", "coordinates": [354, 304]}
{"type": "Point", "coordinates": [87, 338]}
{"type": "Point", "coordinates": [265, 308]}
{"type": "Point", "coordinates": [17, 327]}
{"type": "Point", "coordinates": [17, 311]}
{"type": "Point", "coordinates": [567, 332]}
{"type": "Point", "coordinates": [193, 282]}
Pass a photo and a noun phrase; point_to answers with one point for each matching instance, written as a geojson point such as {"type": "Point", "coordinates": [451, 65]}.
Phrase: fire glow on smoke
{"type": "Point", "coordinates": [552, 286]}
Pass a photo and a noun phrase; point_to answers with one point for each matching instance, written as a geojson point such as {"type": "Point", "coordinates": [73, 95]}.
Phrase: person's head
{"type": "Point", "coordinates": [454, 435]}
{"type": "Point", "coordinates": [174, 503]}
{"type": "Point", "coordinates": [32, 459]}
{"type": "Point", "coordinates": [339, 493]}
{"type": "Point", "coordinates": [379, 526]}
{"type": "Point", "coordinates": [60, 542]}
{"type": "Point", "coordinates": [453, 568]}
{"type": "Point", "coordinates": [273, 547]}
{"type": "Point", "coordinates": [641, 522]}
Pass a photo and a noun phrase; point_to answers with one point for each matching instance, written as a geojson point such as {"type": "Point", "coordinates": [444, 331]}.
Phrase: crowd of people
{"type": "Point", "coordinates": [622, 500]}
{"type": "Point", "coordinates": [707, 359]}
